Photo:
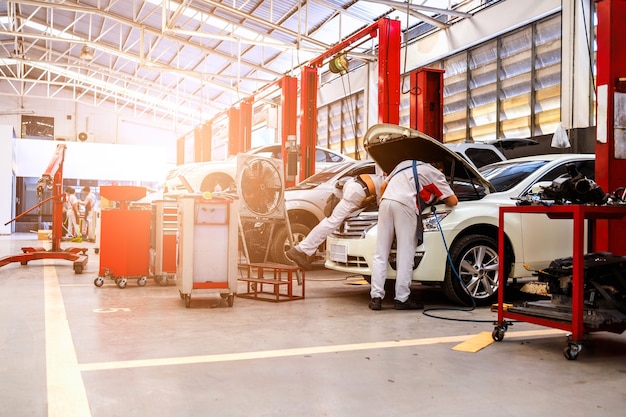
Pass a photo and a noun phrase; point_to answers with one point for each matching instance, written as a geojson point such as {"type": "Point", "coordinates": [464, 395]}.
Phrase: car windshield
{"type": "Point", "coordinates": [507, 175]}
{"type": "Point", "coordinates": [322, 176]}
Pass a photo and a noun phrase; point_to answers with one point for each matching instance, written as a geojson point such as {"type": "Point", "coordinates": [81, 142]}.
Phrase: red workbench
{"type": "Point", "coordinates": [578, 214]}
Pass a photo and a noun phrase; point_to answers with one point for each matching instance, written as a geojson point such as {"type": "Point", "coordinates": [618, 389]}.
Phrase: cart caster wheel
{"type": "Point", "coordinates": [231, 300]}
{"type": "Point", "coordinates": [117, 280]}
{"type": "Point", "coordinates": [24, 263]}
{"type": "Point", "coordinates": [571, 352]}
{"type": "Point", "coordinates": [161, 280]}
{"type": "Point", "coordinates": [187, 300]}
{"type": "Point", "coordinates": [498, 334]}
{"type": "Point", "coordinates": [121, 283]}
{"type": "Point", "coordinates": [142, 281]}
{"type": "Point", "coordinates": [98, 282]}
{"type": "Point", "coordinates": [182, 296]}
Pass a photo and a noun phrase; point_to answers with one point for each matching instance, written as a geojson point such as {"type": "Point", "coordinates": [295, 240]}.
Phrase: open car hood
{"type": "Point", "coordinates": [390, 144]}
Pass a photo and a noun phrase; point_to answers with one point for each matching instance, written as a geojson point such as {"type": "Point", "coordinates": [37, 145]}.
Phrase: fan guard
{"type": "Point", "coordinates": [260, 187]}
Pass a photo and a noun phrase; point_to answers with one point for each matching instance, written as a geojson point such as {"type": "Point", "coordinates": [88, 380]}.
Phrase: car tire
{"type": "Point", "coordinates": [281, 244]}
{"type": "Point", "coordinates": [210, 182]}
{"type": "Point", "coordinates": [475, 257]}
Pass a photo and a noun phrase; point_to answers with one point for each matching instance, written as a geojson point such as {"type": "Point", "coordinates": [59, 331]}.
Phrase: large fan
{"type": "Point", "coordinates": [260, 187]}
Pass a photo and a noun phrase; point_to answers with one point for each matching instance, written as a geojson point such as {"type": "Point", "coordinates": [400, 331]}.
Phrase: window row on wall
{"type": "Point", "coordinates": [509, 87]}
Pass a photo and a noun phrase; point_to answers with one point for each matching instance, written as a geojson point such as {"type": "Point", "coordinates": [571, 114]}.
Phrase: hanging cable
{"type": "Point", "coordinates": [342, 67]}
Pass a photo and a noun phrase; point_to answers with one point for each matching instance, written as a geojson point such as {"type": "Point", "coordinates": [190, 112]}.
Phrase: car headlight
{"type": "Point", "coordinates": [430, 221]}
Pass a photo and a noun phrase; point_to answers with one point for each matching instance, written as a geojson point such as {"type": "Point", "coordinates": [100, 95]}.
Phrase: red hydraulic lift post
{"type": "Point", "coordinates": [206, 141]}
{"type": "Point", "coordinates": [180, 151]}
{"type": "Point", "coordinates": [234, 131]}
{"type": "Point", "coordinates": [388, 80]}
{"type": "Point", "coordinates": [289, 108]}
{"type": "Point", "coordinates": [427, 101]}
{"type": "Point", "coordinates": [389, 71]}
{"type": "Point", "coordinates": [611, 107]}
{"type": "Point", "coordinates": [308, 120]}
{"type": "Point", "coordinates": [202, 138]}
{"type": "Point", "coordinates": [245, 116]}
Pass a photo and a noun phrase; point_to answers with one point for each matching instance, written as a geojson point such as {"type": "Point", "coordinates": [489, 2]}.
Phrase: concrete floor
{"type": "Point", "coordinates": [68, 348]}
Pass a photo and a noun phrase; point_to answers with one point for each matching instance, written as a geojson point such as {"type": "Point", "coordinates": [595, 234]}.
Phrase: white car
{"type": "Point", "coordinates": [464, 238]}
{"type": "Point", "coordinates": [209, 176]}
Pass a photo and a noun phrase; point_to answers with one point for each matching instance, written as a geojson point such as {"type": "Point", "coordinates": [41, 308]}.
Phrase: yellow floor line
{"type": "Point", "coordinates": [225, 357]}
{"type": "Point", "coordinates": [484, 339]}
{"type": "Point", "coordinates": [67, 396]}
{"type": "Point", "coordinates": [476, 343]}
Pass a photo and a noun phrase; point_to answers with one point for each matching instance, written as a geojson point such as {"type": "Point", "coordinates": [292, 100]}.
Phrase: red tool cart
{"type": "Point", "coordinates": [575, 317]}
{"type": "Point", "coordinates": [124, 236]}
{"type": "Point", "coordinates": [163, 241]}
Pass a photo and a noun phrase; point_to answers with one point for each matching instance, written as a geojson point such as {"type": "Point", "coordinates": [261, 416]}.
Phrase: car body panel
{"type": "Point", "coordinates": [389, 144]}
{"type": "Point", "coordinates": [196, 173]}
{"type": "Point", "coordinates": [311, 194]}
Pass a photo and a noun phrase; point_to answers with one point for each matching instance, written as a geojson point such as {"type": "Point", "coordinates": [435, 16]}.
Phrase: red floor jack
{"type": "Point", "coordinates": [51, 179]}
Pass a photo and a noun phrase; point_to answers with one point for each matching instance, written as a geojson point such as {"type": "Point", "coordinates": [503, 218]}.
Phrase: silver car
{"type": "Point", "coordinates": [209, 176]}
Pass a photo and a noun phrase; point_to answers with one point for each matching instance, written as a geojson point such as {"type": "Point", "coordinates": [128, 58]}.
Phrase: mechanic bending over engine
{"type": "Point", "coordinates": [359, 191]}
{"type": "Point", "coordinates": [408, 188]}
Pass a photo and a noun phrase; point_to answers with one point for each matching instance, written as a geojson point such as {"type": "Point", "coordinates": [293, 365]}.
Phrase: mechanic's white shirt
{"type": "Point", "coordinates": [401, 185]}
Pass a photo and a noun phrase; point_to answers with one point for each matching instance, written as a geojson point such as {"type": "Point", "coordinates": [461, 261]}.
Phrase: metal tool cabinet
{"type": "Point", "coordinates": [207, 247]}
{"type": "Point", "coordinates": [163, 241]}
{"type": "Point", "coordinates": [576, 325]}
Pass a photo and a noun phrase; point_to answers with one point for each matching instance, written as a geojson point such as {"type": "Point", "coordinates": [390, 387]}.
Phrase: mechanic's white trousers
{"type": "Point", "coordinates": [394, 218]}
{"type": "Point", "coordinates": [72, 224]}
{"type": "Point", "coordinates": [353, 196]}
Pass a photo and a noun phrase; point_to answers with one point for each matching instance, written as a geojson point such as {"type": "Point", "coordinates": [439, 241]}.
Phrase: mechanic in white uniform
{"type": "Point", "coordinates": [398, 215]}
{"type": "Point", "coordinates": [355, 191]}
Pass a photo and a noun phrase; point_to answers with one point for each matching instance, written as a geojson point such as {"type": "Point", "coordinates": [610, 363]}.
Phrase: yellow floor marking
{"type": "Point", "coordinates": [476, 343]}
{"type": "Point", "coordinates": [357, 282]}
{"type": "Point", "coordinates": [66, 391]}
{"type": "Point", "coordinates": [280, 353]}
{"type": "Point", "coordinates": [484, 339]}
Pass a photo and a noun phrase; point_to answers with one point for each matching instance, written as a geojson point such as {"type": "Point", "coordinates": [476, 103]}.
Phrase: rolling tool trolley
{"type": "Point", "coordinates": [124, 237]}
{"type": "Point", "coordinates": [163, 241]}
{"type": "Point", "coordinates": [588, 290]}
{"type": "Point", "coordinates": [207, 247]}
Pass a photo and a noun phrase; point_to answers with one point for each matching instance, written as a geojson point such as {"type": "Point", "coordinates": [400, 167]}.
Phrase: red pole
{"type": "Point", "coordinates": [389, 71]}
{"type": "Point", "coordinates": [611, 84]}
{"type": "Point", "coordinates": [289, 107]}
{"type": "Point", "coordinates": [308, 121]}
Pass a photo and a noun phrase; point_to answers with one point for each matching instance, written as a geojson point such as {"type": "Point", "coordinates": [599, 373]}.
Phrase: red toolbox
{"type": "Point", "coordinates": [124, 237]}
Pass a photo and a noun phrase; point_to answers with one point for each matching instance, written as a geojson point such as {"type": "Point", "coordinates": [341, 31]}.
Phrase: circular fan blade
{"type": "Point", "coordinates": [261, 187]}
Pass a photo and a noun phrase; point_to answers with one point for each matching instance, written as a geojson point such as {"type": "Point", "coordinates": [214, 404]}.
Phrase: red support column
{"type": "Point", "coordinates": [234, 132]}
{"type": "Point", "coordinates": [289, 109]}
{"type": "Point", "coordinates": [427, 102]}
{"type": "Point", "coordinates": [245, 113]}
{"type": "Point", "coordinates": [180, 151]}
{"type": "Point", "coordinates": [197, 144]}
{"type": "Point", "coordinates": [308, 121]}
{"type": "Point", "coordinates": [204, 148]}
{"type": "Point", "coordinates": [611, 140]}
{"type": "Point", "coordinates": [389, 71]}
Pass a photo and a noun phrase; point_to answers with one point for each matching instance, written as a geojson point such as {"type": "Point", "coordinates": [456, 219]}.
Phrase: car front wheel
{"type": "Point", "coordinates": [474, 279]}
{"type": "Point", "coordinates": [281, 244]}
